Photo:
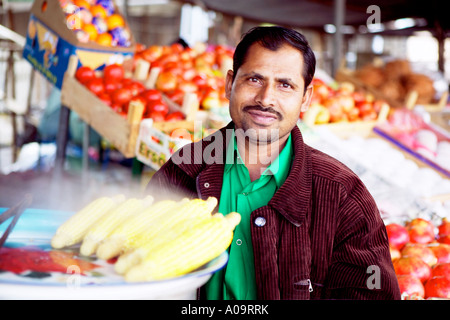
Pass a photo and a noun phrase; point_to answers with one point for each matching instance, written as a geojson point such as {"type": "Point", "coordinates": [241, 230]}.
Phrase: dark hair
{"type": "Point", "coordinates": [273, 38]}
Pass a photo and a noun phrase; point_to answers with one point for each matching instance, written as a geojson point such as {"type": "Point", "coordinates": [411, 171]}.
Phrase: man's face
{"type": "Point", "coordinates": [267, 93]}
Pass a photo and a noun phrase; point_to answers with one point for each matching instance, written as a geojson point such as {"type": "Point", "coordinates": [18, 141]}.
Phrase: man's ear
{"type": "Point", "coordinates": [228, 84]}
{"type": "Point", "coordinates": [307, 96]}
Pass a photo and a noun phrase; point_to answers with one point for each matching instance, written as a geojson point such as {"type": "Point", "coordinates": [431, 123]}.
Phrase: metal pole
{"type": "Point", "coordinates": [62, 138]}
{"type": "Point", "coordinates": [339, 21]}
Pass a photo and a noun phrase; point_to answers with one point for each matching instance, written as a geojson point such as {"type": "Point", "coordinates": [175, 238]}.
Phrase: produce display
{"type": "Point", "coordinates": [116, 90]}
{"type": "Point", "coordinates": [412, 133]}
{"type": "Point", "coordinates": [395, 79]}
{"type": "Point", "coordinates": [420, 251]}
{"type": "Point", "coordinates": [200, 70]}
{"type": "Point", "coordinates": [152, 240]}
{"type": "Point", "coordinates": [96, 21]}
{"type": "Point", "coordinates": [343, 104]}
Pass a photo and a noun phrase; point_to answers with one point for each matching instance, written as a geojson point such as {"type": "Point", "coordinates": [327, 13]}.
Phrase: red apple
{"type": "Point", "coordinates": [336, 111]}
{"type": "Point", "coordinates": [444, 227]}
{"type": "Point", "coordinates": [420, 231]}
{"type": "Point", "coordinates": [346, 102]}
{"type": "Point", "coordinates": [441, 270]}
{"type": "Point", "coordinates": [166, 81]}
{"type": "Point", "coordinates": [353, 114]}
{"type": "Point", "coordinates": [187, 86]}
{"type": "Point", "coordinates": [211, 99]}
{"type": "Point", "coordinates": [410, 286]}
{"type": "Point", "coordinates": [441, 251]}
{"type": "Point", "coordinates": [438, 287]}
{"type": "Point", "coordinates": [398, 235]}
{"type": "Point", "coordinates": [152, 53]}
{"type": "Point", "coordinates": [444, 239]}
{"type": "Point", "coordinates": [421, 223]}
{"type": "Point", "coordinates": [413, 266]}
{"type": "Point", "coordinates": [321, 91]}
{"type": "Point", "coordinates": [421, 251]}
{"type": "Point", "coordinates": [420, 235]}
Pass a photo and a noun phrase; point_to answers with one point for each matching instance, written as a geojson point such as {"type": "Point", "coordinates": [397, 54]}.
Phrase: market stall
{"type": "Point", "coordinates": [384, 121]}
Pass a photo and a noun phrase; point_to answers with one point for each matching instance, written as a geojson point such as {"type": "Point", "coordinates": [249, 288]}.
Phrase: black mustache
{"type": "Point", "coordinates": [262, 109]}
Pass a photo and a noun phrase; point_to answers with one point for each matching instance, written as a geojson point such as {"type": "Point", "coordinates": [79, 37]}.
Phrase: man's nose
{"type": "Point", "coordinates": [266, 96]}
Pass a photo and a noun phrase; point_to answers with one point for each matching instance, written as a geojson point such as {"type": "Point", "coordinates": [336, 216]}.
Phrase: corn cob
{"type": "Point", "coordinates": [119, 239]}
{"type": "Point", "coordinates": [167, 227]}
{"type": "Point", "coordinates": [187, 252]}
{"type": "Point", "coordinates": [105, 226]}
{"type": "Point", "coordinates": [135, 256]}
{"type": "Point", "coordinates": [75, 228]}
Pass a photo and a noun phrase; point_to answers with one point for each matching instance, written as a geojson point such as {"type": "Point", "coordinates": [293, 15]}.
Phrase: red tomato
{"type": "Point", "coordinates": [116, 107]}
{"type": "Point", "coordinates": [176, 47]}
{"type": "Point", "coordinates": [111, 86]}
{"type": "Point", "coordinates": [84, 74]}
{"type": "Point", "coordinates": [121, 96]}
{"type": "Point", "coordinates": [156, 116]}
{"type": "Point", "coordinates": [175, 116]}
{"type": "Point", "coordinates": [200, 80]}
{"type": "Point", "coordinates": [166, 81]}
{"type": "Point", "coordinates": [158, 106]}
{"type": "Point", "coordinates": [364, 107]}
{"type": "Point", "coordinates": [126, 81]}
{"type": "Point", "coordinates": [106, 98]}
{"type": "Point", "coordinates": [136, 88]}
{"type": "Point", "coordinates": [113, 72]}
{"type": "Point", "coordinates": [141, 100]}
{"type": "Point", "coordinates": [96, 86]}
{"type": "Point", "coordinates": [176, 96]}
{"type": "Point", "coordinates": [151, 95]}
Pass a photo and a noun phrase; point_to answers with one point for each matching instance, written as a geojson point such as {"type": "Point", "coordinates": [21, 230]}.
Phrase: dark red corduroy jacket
{"type": "Point", "coordinates": [323, 237]}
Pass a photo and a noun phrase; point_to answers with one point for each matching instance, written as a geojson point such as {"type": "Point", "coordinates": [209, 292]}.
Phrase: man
{"type": "Point", "coordinates": [309, 228]}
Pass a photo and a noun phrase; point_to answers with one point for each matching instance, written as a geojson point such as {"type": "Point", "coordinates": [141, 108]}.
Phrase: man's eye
{"type": "Point", "coordinates": [286, 85]}
{"type": "Point", "coordinates": [253, 79]}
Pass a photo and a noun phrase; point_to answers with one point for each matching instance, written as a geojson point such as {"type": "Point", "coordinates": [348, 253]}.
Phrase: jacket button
{"type": "Point", "coordinates": [206, 185]}
{"type": "Point", "coordinates": [260, 221]}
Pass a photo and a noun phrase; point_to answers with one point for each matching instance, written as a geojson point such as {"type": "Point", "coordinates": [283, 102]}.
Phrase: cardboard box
{"type": "Point", "coordinates": [154, 146]}
{"type": "Point", "coordinates": [50, 44]}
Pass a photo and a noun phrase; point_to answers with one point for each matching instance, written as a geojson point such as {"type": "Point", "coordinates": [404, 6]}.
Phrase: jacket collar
{"type": "Point", "coordinates": [292, 200]}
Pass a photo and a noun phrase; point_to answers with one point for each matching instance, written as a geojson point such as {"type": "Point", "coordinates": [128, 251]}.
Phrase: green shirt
{"type": "Point", "coordinates": [240, 194]}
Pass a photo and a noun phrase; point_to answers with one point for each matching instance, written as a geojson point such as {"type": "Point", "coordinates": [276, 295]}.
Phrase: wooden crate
{"type": "Point", "coordinates": [347, 129]}
{"type": "Point", "coordinates": [121, 132]}
{"type": "Point", "coordinates": [411, 99]}
{"type": "Point", "coordinates": [345, 75]}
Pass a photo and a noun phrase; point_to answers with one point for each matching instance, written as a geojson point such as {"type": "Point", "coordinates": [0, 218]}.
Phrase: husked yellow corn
{"type": "Point", "coordinates": [165, 228]}
{"type": "Point", "coordinates": [192, 249]}
{"type": "Point", "coordinates": [75, 228]}
{"type": "Point", "coordinates": [136, 255]}
{"type": "Point", "coordinates": [195, 208]}
{"type": "Point", "coordinates": [105, 226]}
{"type": "Point", "coordinates": [119, 239]}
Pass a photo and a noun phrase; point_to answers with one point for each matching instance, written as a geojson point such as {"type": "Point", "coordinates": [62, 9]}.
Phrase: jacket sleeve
{"type": "Point", "coordinates": [361, 265]}
{"type": "Point", "coordinates": [170, 182]}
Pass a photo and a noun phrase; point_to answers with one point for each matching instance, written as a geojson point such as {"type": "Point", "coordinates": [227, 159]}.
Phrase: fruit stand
{"type": "Point", "coordinates": [384, 121]}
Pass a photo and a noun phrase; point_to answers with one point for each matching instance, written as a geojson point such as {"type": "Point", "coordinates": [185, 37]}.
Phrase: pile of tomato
{"type": "Point", "coordinates": [117, 91]}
